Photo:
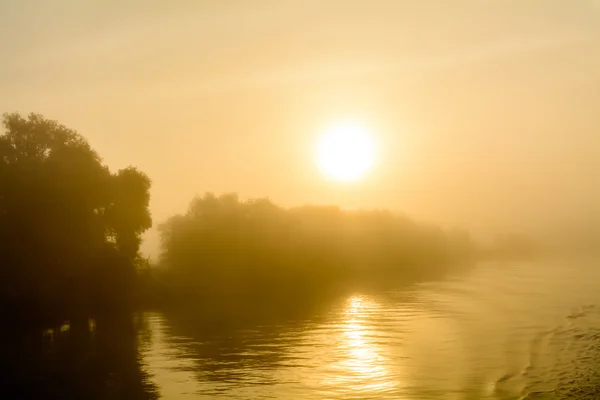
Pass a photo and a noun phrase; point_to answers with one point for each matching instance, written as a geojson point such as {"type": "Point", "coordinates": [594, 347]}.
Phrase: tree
{"type": "Point", "coordinates": [68, 226]}
{"type": "Point", "coordinates": [251, 249]}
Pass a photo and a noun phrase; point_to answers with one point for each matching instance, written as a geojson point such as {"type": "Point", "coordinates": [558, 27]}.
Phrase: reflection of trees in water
{"type": "Point", "coordinates": [80, 361]}
{"type": "Point", "coordinates": [233, 341]}
{"type": "Point", "coordinates": [232, 345]}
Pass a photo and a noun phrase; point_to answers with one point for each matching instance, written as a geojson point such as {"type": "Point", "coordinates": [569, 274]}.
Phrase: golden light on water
{"type": "Point", "coordinates": [363, 356]}
{"type": "Point", "coordinates": [363, 368]}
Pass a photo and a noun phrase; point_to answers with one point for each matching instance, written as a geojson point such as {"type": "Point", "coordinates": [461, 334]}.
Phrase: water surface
{"type": "Point", "coordinates": [499, 332]}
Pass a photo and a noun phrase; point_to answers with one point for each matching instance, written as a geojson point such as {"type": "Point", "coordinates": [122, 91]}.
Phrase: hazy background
{"type": "Point", "coordinates": [487, 111]}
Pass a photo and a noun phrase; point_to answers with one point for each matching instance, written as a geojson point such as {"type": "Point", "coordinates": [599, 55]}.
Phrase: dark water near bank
{"type": "Point", "coordinates": [500, 332]}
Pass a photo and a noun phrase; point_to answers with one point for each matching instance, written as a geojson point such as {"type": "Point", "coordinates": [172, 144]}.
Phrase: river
{"type": "Point", "coordinates": [498, 331]}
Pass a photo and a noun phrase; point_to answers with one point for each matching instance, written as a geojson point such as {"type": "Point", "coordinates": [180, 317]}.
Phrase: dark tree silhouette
{"type": "Point", "coordinates": [69, 228]}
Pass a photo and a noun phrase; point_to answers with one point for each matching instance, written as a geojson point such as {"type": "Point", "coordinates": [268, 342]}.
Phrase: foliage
{"type": "Point", "coordinates": [69, 228]}
{"type": "Point", "coordinates": [225, 246]}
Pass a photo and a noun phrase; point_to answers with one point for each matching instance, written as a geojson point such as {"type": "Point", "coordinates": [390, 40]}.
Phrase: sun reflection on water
{"type": "Point", "coordinates": [362, 366]}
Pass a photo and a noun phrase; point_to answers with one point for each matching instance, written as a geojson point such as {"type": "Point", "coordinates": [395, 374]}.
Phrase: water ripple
{"type": "Point", "coordinates": [502, 332]}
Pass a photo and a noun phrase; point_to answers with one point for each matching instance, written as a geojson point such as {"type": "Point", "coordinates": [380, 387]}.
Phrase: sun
{"type": "Point", "coordinates": [346, 152]}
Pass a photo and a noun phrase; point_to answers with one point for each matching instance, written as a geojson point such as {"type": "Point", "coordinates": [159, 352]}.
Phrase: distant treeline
{"type": "Point", "coordinates": [227, 247]}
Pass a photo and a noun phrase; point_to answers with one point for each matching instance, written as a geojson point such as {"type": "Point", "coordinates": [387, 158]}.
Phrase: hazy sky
{"type": "Point", "coordinates": [488, 111]}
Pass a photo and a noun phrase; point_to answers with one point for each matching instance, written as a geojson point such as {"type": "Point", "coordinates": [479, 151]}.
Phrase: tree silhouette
{"type": "Point", "coordinates": [69, 228]}
{"type": "Point", "coordinates": [226, 247]}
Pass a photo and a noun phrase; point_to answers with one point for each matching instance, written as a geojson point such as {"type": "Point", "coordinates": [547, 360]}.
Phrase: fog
{"type": "Point", "coordinates": [167, 228]}
{"type": "Point", "coordinates": [485, 109]}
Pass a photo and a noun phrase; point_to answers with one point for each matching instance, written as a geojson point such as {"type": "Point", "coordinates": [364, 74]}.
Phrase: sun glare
{"type": "Point", "coordinates": [346, 152]}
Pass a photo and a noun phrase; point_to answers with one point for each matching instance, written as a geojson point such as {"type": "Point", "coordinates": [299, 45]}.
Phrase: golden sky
{"type": "Point", "coordinates": [487, 111]}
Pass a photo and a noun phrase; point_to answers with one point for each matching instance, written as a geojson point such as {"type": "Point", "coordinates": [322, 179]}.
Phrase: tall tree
{"type": "Point", "coordinates": [65, 220]}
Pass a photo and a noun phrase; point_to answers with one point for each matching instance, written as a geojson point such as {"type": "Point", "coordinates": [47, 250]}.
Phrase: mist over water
{"type": "Point", "coordinates": [300, 199]}
{"type": "Point", "coordinates": [513, 331]}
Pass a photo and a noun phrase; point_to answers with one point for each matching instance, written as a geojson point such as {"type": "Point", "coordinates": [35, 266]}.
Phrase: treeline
{"type": "Point", "coordinates": [224, 247]}
{"type": "Point", "coordinates": [69, 227]}
{"type": "Point", "coordinates": [70, 235]}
